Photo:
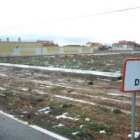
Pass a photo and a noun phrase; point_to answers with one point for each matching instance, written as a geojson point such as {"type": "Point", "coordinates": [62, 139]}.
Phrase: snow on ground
{"type": "Point", "coordinates": [137, 134]}
{"type": "Point", "coordinates": [74, 99]}
{"type": "Point", "coordinates": [1, 88]}
{"type": "Point", "coordinates": [25, 88]}
{"type": "Point", "coordinates": [81, 126]}
{"type": "Point", "coordinates": [75, 133]}
{"type": "Point", "coordinates": [39, 91]}
{"type": "Point", "coordinates": [65, 116]}
{"type": "Point", "coordinates": [117, 94]}
{"type": "Point", "coordinates": [115, 53]}
{"type": "Point", "coordinates": [59, 125]}
{"type": "Point", "coordinates": [102, 132]}
{"type": "Point", "coordinates": [76, 71]}
{"type": "Point", "coordinates": [90, 103]}
{"type": "Point", "coordinates": [106, 80]}
{"type": "Point", "coordinates": [98, 97]}
{"type": "Point", "coordinates": [122, 94]}
{"type": "Point", "coordinates": [45, 110]}
{"type": "Point", "coordinates": [3, 75]}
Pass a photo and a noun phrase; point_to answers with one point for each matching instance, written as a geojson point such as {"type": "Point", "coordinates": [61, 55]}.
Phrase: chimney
{"type": "Point", "coordinates": [7, 39]}
{"type": "Point", "coordinates": [19, 39]}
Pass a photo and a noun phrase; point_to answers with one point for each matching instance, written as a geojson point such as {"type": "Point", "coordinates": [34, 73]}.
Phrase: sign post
{"type": "Point", "coordinates": [133, 116]}
{"type": "Point", "coordinates": [131, 83]}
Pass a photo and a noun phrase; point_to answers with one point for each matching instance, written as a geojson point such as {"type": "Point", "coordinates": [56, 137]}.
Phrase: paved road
{"type": "Point", "coordinates": [11, 129]}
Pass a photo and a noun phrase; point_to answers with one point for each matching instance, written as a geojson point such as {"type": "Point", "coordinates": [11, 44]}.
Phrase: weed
{"type": "Point", "coordinates": [117, 111]}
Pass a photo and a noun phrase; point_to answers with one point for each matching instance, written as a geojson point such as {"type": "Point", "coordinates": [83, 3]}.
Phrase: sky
{"type": "Point", "coordinates": [57, 20]}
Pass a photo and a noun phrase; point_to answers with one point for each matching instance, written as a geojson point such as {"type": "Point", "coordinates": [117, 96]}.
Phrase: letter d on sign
{"type": "Point", "coordinates": [137, 81]}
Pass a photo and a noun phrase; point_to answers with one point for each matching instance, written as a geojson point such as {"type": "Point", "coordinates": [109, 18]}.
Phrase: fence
{"type": "Point", "coordinates": [33, 51]}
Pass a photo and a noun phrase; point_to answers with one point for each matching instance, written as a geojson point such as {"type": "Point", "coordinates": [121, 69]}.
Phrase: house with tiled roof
{"type": "Point", "coordinates": [129, 45]}
{"type": "Point", "coordinates": [95, 45]}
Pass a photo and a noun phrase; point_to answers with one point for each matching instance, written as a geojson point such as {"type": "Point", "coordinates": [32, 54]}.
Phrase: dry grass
{"type": "Point", "coordinates": [94, 110]}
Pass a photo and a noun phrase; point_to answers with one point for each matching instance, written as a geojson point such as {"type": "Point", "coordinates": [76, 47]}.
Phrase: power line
{"type": "Point", "coordinates": [103, 13]}
{"type": "Point", "coordinates": [78, 17]}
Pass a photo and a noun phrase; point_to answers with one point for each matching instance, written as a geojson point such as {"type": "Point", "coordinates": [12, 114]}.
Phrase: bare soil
{"type": "Point", "coordinates": [69, 105]}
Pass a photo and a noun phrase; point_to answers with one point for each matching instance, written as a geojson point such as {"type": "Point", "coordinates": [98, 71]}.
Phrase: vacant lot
{"type": "Point", "coordinates": [98, 62]}
{"type": "Point", "coordinates": [72, 106]}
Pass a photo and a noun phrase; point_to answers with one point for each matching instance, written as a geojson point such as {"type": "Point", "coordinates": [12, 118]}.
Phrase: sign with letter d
{"type": "Point", "coordinates": [131, 75]}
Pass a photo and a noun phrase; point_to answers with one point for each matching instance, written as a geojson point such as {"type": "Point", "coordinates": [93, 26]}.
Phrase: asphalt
{"type": "Point", "coordinates": [11, 129]}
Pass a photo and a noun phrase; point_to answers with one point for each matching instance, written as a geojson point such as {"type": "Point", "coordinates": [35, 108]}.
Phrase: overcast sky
{"type": "Point", "coordinates": [47, 18]}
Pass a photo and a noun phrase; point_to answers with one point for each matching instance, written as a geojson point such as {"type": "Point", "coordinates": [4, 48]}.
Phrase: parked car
{"type": "Point", "coordinates": [103, 48]}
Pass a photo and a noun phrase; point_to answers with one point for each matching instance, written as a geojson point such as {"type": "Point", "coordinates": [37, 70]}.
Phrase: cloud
{"type": "Point", "coordinates": [47, 18]}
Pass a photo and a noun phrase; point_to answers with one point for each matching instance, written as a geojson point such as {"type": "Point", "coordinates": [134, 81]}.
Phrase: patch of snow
{"type": "Point", "coordinates": [63, 86]}
{"type": "Point", "coordinates": [59, 125]}
{"type": "Point", "coordinates": [137, 134]}
{"type": "Point", "coordinates": [45, 110]}
{"type": "Point", "coordinates": [24, 112]}
{"type": "Point", "coordinates": [90, 103]}
{"type": "Point", "coordinates": [75, 133]}
{"type": "Point", "coordinates": [81, 126]}
{"type": "Point", "coordinates": [64, 116]}
{"type": "Point", "coordinates": [109, 64]}
{"type": "Point", "coordinates": [118, 72]}
{"type": "Point", "coordinates": [60, 80]}
{"type": "Point", "coordinates": [114, 94]}
{"type": "Point", "coordinates": [87, 119]}
{"type": "Point", "coordinates": [66, 113]}
{"type": "Point", "coordinates": [112, 109]}
{"type": "Point", "coordinates": [2, 95]}
{"type": "Point", "coordinates": [25, 88]}
{"type": "Point", "coordinates": [119, 101]}
{"type": "Point", "coordinates": [118, 94]}
{"type": "Point", "coordinates": [74, 99]}
{"type": "Point", "coordinates": [39, 91]}
{"type": "Point", "coordinates": [4, 75]}
{"type": "Point", "coordinates": [106, 74]}
{"type": "Point", "coordinates": [1, 88]}
{"type": "Point", "coordinates": [107, 80]}
{"type": "Point", "coordinates": [102, 132]}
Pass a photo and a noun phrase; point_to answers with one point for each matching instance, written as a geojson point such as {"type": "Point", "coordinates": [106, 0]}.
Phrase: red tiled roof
{"type": "Point", "coordinates": [94, 43]}
{"type": "Point", "coordinates": [123, 42]}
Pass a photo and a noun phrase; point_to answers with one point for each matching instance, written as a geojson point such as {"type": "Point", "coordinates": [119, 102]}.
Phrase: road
{"type": "Point", "coordinates": [11, 129]}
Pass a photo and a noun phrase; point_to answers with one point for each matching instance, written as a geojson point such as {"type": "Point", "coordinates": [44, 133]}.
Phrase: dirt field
{"type": "Point", "coordinates": [97, 62]}
{"type": "Point", "coordinates": [73, 106]}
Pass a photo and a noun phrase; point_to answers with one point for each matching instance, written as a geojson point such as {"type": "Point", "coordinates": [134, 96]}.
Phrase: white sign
{"type": "Point", "coordinates": [131, 75]}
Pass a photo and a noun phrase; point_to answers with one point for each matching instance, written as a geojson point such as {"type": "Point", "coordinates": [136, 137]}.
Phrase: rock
{"type": "Point", "coordinates": [116, 111]}
{"type": "Point", "coordinates": [66, 105]}
{"type": "Point", "coordinates": [87, 119]}
{"type": "Point", "coordinates": [25, 89]}
{"type": "Point", "coordinates": [90, 83]}
{"type": "Point", "coordinates": [2, 95]}
{"type": "Point", "coordinates": [38, 98]}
